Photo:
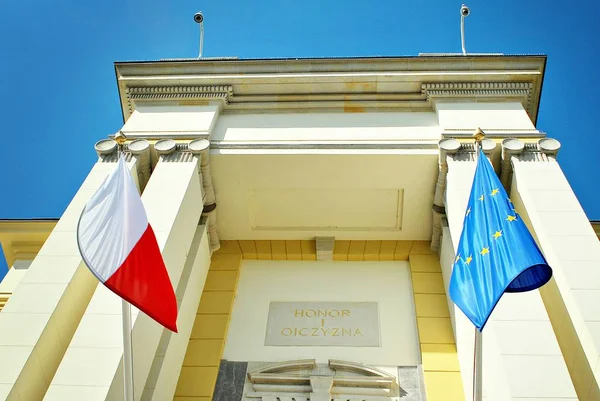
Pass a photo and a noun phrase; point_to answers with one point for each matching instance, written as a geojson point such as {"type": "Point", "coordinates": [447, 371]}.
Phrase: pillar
{"type": "Point", "coordinates": [522, 358]}
{"type": "Point", "coordinates": [201, 147]}
{"type": "Point", "coordinates": [168, 361]}
{"type": "Point", "coordinates": [40, 318]}
{"type": "Point", "coordinates": [91, 367]}
{"type": "Point", "coordinates": [544, 197]}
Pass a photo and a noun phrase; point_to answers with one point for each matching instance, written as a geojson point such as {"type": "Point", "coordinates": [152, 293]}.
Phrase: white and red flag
{"type": "Point", "coordinates": [118, 245]}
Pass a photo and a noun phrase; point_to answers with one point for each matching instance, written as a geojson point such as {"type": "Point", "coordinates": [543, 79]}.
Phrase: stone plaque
{"type": "Point", "coordinates": [343, 324]}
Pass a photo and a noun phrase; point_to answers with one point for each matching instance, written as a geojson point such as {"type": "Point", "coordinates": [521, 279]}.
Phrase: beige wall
{"type": "Point", "coordinates": [386, 283]}
{"type": "Point", "coordinates": [435, 339]}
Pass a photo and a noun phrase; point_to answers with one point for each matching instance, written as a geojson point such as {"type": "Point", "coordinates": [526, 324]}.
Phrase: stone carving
{"type": "Point", "coordinates": [469, 90]}
{"type": "Point", "coordinates": [305, 380]}
{"type": "Point", "coordinates": [176, 93]}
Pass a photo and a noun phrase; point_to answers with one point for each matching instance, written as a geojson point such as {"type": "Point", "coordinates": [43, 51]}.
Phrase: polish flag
{"type": "Point", "coordinates": [118, 245]}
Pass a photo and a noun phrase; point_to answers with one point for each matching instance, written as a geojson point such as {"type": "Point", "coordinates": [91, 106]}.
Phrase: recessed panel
{"type": "Point", "coordinates": [331, 209]}
{"type": "Point", "coordinates": [363, 312]}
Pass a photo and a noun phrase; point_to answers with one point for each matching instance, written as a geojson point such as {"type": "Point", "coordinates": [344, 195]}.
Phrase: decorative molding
{"type": "Point", "coordinates": [476, 89]}
{"type": "Point", "coordinates": [532, 153]}
{"type": "Point", "coordinates": [499, 133]}
{"type": "Point", "coordinates": [177, 156]}
{"type": "Point", "coordinates": [338, 379]}
{"type": "Point", "coordinates": [487, 90]}
{"type": "Point", "coordinates": [114, 157]}
{"type": "Point", "coordinates": [177, 93]}
{"type": "Point", "coordinates": [156, 135]}
{"type": "Point", "coordinates": [322, 145]}
{"type": "Point", "coordinates": [370, 250]}
{"type": "Point", "coordinates": [346, 85]}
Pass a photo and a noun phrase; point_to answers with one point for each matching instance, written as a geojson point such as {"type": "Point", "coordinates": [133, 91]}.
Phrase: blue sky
{"type": "Point", "coordinates": [58, 91]}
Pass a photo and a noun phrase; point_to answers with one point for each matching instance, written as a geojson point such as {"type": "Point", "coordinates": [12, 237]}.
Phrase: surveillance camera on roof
{"type": "Point", "coordinates": [198, 17]}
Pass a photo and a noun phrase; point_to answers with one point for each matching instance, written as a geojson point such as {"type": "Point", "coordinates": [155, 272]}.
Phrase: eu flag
{"type": "Point", "coordinates": [496, 252]}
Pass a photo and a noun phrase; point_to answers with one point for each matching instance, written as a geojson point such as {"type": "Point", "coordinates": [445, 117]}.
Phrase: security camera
{"type": "Point", "coordinates": [464, 11]}
{"type": "Point", "coordinates": [198, 17]}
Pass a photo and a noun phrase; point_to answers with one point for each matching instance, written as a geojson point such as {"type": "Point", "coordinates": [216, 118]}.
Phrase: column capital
{"type": "Point", "coordinates": [138, 149]}
{"type": "Point", "coordinates": [199, 148]}
{"type": "Point", "coordinates": [544, 150]}
{"type": "Point", "coordinates": [464, 151]}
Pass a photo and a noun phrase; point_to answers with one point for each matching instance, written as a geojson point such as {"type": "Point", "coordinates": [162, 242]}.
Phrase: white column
{"type": "Point", "coordinates": [573, 251]}
{"type": "Point", "coordinates": [168, 360]}
{"type": "Point", "coordinates": [39, 320]}
{"type": "Point", "coordinates": [522, 358]}
{"type": "Point", "coordinates": [91, 367]}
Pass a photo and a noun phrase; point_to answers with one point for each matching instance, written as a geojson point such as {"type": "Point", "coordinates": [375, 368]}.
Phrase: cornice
{"type": "Point", "coordinates": [331, 85]}
{"type": "Point", "coordinates": [452, 91]}
{"type": "Point", "coordinates": [27, 226]}
{"type": "Point", "coordinates": [476, 88]}
{"type": "Point", "coordinates": [135, 94]}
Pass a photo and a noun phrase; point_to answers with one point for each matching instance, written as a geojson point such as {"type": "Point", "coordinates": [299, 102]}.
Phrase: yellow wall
{"type": "Point", "coordinates": [201, 364]}
{"type": "Point", "coordinates": [438, 348]}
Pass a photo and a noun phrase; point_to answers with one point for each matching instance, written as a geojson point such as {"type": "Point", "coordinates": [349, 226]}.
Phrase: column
{"type": "Point", "coordinates": [522, 358]}
{"type": "Point", "coordinates": [40, 318]}
{"type": "Point", "coordinates": [544, 197]}
{"type": "Point", "coordinates": [150, 120]}
{"type": "Point", "coordinates": [91, 367]}
{"type": "Point", "coordinates": [168, 361]}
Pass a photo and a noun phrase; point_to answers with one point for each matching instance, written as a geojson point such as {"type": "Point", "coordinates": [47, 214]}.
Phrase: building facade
{"type": "Point", "coordinates": [308, 212]}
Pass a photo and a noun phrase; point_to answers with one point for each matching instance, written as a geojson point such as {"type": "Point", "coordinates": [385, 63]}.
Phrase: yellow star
{"type": "Point", "coordinates": [494, 191]}
{"type": "Point", "coordinates": [497, 234]}
{"type": "Point", "coordinates": [511, 218]}
{"type": "Point", "coordinates": [468, 211]}
{"type": "Point", "coordinates": [485, 251]}
{"type": "Point", "coordinates": [481, 198]}
{"type": "Point", "coordinates": [468, 260]}
{"type": "Point", "coordinates": [457, 258]}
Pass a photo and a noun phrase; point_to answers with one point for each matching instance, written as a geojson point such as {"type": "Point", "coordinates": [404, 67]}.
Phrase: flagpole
{"type": "Point", "coordinates": [126, 313]}
{"type": "Point", "coordinates": [478, 345]}
{"type": "Point", "coordinates": [478, 368]}
{"type": "Point", "coordinates": [127, 352]}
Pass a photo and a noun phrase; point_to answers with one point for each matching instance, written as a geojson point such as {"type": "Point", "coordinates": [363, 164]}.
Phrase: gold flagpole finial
{"type": "Point", "coordinates": [478, 135]}
{"type": "Point", "coordinates": [120, 138]}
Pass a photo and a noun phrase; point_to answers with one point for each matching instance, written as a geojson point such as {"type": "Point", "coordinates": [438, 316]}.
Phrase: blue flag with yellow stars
{"type": "Point", "coordinates": [496, 252]}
